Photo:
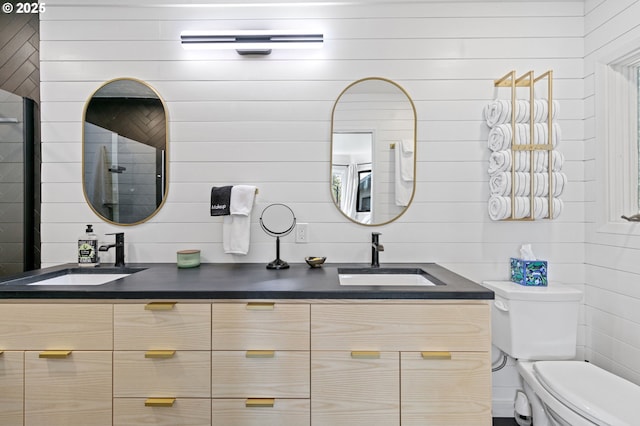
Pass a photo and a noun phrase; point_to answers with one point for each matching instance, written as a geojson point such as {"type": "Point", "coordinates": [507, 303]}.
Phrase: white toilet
{"type": "Point", "coordinates": [538, 326]}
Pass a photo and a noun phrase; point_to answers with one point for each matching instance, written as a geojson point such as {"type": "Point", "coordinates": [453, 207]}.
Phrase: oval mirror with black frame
{"type": "Point", "coordinates": [124, 146]}
{"type": "Point", "coordinates": [373, 151]}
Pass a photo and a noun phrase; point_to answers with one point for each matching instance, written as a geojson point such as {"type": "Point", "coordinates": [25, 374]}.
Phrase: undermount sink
{"type": "Point", "coordinates": [386, 277]}
{"type": "Point", "coordinates": [77, 277]}
{"type": "Point", "coordinates": [80, 279]}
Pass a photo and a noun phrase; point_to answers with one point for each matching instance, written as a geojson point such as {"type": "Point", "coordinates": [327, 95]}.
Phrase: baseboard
{"type": "Point", "coordinates": [502, 408]}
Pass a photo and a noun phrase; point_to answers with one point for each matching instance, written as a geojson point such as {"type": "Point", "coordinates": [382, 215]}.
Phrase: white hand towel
{"type": "Point", "coordinates": [242, 197]}
{"type": "Point", "coordinates": [404, 172]}
{"type": "Point", "coordinates": [406, 159]}
{"type": "Point", "coordinates": [237, 226]}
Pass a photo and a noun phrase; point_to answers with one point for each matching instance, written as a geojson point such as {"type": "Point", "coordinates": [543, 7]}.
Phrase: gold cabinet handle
{"type": "Point", "coordinates": [259, 402]}
{"type": "Point", "coordinates": [261, 306]}
{"type": "Point", "coordinates": [159, 306]}
{"type": "Point", "coordinates": [365, 354]}
{"type": "Point", "coordinates": [260, 354]}
{"type": "Point", "coordinates": [1, 352]}
{"type": "Point", "coordinates": [54, 354]}
{"type": "Point", "coordinates": [159, 354]}
{"type": "Point", "coordinates": [159, 402]}
{"type": "Point", "coordinates": [435, 355]}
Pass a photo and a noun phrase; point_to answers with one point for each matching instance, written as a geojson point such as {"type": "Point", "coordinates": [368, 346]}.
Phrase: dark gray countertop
{"type": "Point", "coordinates": [240, 281]}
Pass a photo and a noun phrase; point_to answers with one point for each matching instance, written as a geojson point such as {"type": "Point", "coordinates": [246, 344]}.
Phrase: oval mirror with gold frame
{"type": "Point", "coordinates": [373, 151]}
{"type": "Point", "coordinates": [124, 151]}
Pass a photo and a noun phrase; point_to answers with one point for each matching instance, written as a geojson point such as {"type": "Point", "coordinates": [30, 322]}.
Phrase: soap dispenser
{"type": "Point", "coordinates": [88, 248]}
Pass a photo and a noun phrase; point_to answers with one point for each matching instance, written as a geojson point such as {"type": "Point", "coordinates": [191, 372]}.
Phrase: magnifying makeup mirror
{"type": "Point", "coordinates": [278, 221]}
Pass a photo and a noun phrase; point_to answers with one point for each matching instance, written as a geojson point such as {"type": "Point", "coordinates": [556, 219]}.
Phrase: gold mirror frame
{"type": "Point", "coordinates": [333, 132]}
{"type": "Point", "coordinates": [162, 180]}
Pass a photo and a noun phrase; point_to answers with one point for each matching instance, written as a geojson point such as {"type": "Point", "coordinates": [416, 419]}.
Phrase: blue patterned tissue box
{"type": "Point", "coordinates": [529, 272]}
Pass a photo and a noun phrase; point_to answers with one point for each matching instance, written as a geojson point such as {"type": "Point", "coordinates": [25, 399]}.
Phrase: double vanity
{"type": "Point", "coordinates": [237, 344]}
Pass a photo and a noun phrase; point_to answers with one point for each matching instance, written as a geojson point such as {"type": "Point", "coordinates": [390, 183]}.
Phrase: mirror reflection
{"type": "Point", "coordinates": [373, 151]}
{"type": "Point", "coordinates": [124, 152]}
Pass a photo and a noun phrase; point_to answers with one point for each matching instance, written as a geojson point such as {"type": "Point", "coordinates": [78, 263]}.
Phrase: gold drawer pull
{"type": "Point", "coordinates": [261, 306]}
{"type": "Point", "coordinates": [259, 402]}
{"type": "Point", "coordinates": [159, 402]}
{"type": "Point", "coordinates": [159, 306]}
{"type": "Point", "coordinates": [159, 354]}
{"type": "Point", "coordinates": [260, 354]}
{"type": "Point", "coordinates": [54, 354]}
{"type": "Point", "coordinates": [1, 352]}
{"type": "Point", "coordinates": [365, 354]}
{"type": "Point", "coordinates": [436, 355]}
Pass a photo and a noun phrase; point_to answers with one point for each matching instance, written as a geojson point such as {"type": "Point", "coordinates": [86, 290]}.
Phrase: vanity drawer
{"type": "Point", "coordinates": [155, 412]}
{"type": "Point", "coordinates": [420, 327]}
{"type": "Point", "coordinates": [446, 389]}
{"type": "Point", "coordinates": [63, 388]}
{"type": "Point", "coordinates": [355, 388]}
{"type": "Point", "coordinates": [11, 388]}
{"type": "Point", "coordinates": [273, 374]}
{"type": "Point", "coordinates": [181, 326]}
{"type": "Point", "coordinates": [253, 412]}
{"type": "Point", "coordinates": [56, 326]}
{"type": "Point", "coordinates": [246, 326]}
{"type": "Point", "coordinates": [159, 374]}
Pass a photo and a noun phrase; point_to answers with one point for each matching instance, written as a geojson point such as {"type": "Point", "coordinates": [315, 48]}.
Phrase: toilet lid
{"type": "Point", "coordinates": [594, 393]}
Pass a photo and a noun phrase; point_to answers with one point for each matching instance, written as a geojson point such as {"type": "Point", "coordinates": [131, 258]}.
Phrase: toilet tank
{"type": "Point", "coordinates": [534, 323]}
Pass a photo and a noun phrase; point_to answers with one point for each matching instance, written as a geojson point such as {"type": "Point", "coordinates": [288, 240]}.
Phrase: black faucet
{"type": "Point", "coordinates": [119, 245]}
{"type": "Point", "coordinates": [376, 248]}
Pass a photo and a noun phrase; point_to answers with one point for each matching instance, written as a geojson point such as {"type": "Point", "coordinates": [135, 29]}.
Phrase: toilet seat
{"type": "Point", "coordinates": [599, 396]}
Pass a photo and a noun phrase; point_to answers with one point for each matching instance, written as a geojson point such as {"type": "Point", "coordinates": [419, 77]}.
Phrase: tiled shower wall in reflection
{"type": "Point", "coordinates": [11, 184]}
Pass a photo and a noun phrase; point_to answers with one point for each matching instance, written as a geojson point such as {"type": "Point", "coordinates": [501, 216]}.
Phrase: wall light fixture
{"type": "Point", "coordinates": [251, 42]}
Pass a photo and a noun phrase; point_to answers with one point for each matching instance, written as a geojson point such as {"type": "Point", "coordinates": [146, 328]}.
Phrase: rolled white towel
{"type": "Point", "coordinates": [500, 137]}
{"type": "Point", "coordinates": [559, 182]}
{"type": "Point", "coordinates": [499, 207]}
{"type": "Point", "coordinates": [542, 161]}
{"type": "Point", "coordinates": [541, 207]}
{"type": "Point", "coordinates": [541, 134]}
{"type": "Point", "coordinates": [499, 161]}
{"type": "Point", "coordinates": [500, 184]}
{"type": "Point", "coordinates": [499, 111]}
{"type": "Point", "coordinates": [541, 188]}
{"type": "Point", "coordinates": [541, 113]}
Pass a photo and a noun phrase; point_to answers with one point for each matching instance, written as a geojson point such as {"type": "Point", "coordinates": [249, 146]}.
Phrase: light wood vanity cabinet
{"type": "Point", "coordinates": [66, 363]}
{"type": "Point", "coordinates": [222, 363]}
{"type": "Point", "coordinates": [400, 364]}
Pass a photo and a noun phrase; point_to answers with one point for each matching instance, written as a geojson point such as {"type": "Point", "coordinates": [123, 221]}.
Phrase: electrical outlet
{"type": "Point", "coordinates": [302, 233]}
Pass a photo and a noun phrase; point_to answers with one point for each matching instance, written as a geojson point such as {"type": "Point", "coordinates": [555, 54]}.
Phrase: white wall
{"type": "Point", "coordinates": [266, 121]}
{"type": "Point", "coordinates": [612, 251]}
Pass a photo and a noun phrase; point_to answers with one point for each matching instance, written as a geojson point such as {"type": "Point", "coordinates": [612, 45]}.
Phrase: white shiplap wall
{"type": "Point", "coordinates": [612, 251]}
{"type": "Point", "coordinates": [266, 121]}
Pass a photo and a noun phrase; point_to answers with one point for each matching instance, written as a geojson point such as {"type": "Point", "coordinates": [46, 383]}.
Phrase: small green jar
{"type": "Point", "coordinates": [188, 258]}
